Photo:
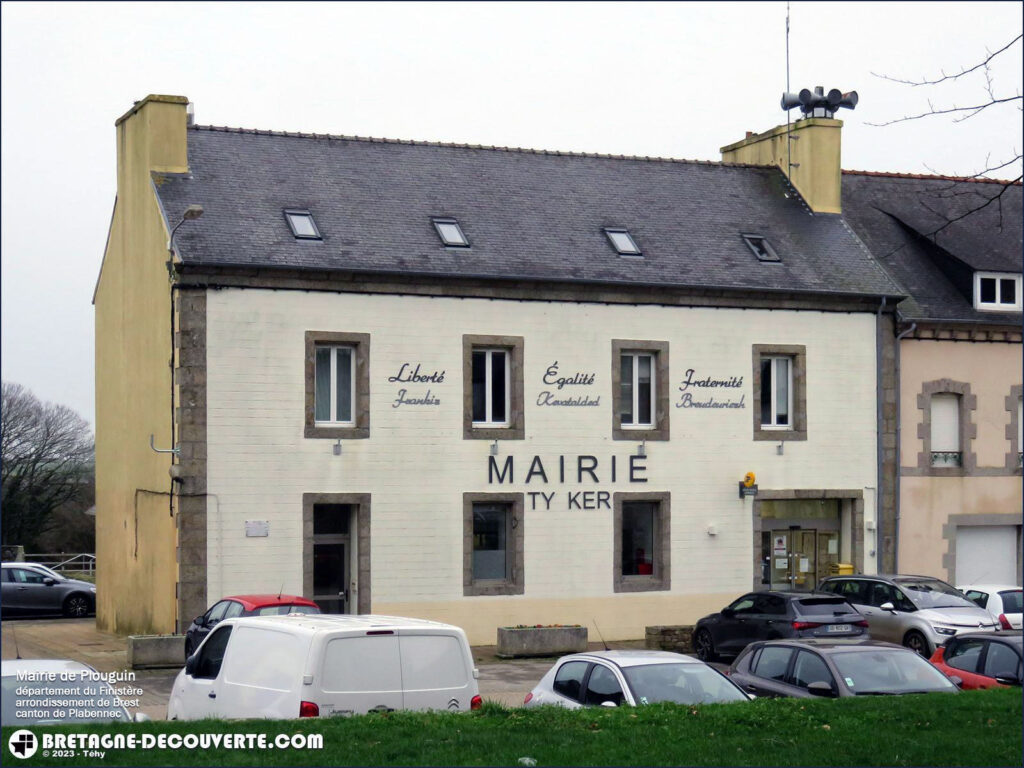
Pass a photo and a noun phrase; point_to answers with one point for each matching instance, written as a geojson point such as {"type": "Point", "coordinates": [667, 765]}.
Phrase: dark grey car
{"type": "Point", "coordinates": [26, 591]}
{"type": "Point", "coordinates": [834, 669]}
{"type": "Point", "coordinates": [772, 615]}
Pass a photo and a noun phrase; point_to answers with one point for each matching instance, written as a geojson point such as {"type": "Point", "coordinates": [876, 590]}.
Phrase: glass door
{"type": "Point", "coordinates": [331, 557]}
{"type": "Point", "coordinates": [794, 559]}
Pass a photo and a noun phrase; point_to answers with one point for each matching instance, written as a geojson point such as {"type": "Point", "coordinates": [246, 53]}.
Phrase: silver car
{"type": "Point", "coordinates": [28, 591]}
{"type": "Point", "coordinates": [617, 678]}
{"type": "Point", "coordinates": [920, 612]}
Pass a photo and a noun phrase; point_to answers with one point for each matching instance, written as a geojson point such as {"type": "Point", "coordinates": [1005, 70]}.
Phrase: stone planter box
{"type": "Point", "coordinates": [678, 638]}
{"type": "Point", "coordinates": [540, 641]}
{"type": "Point", "coordinates": [156, 651]}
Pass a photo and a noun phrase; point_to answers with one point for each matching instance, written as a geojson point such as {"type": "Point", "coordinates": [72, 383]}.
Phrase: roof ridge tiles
{"type": "Point", "coordinates": [933, 177]}
{"type": "Point", "coordinates": [487, 147]}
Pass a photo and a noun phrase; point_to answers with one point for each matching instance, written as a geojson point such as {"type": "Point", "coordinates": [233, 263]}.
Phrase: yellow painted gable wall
{"type": "Point", "coordinates": [135, 531]}
{"type": "Point", "coordinates": [814, 152]}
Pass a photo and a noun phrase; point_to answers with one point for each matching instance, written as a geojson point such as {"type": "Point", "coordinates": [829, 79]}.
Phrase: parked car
{"type": "Point", "coordinates": [1002, 601]}
{"type": "Point", "coordinates": [982, 659]}
{"type": "Point", "coordinates": [284, 667]}
{"type": "Point", "coordinates": [618, 678]}
{"type": "Point", "coordinates": [243, 605]}
{"type": "Point", "coordinates": [772, 615]}
{"type": "Point", "coordinates": [919, 612]}
{"type": "Point", "coordinates": [27, 591]}
{"type": "Point", "coordinates": [45, 570]}
{"type": "Point", "coordinates": [28, 697]}
{"type": "Point", "coordinates": [835, 668]}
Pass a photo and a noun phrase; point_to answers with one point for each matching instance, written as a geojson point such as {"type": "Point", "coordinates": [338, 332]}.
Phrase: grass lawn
{"type": "Point", "coordinates": [980, 728]}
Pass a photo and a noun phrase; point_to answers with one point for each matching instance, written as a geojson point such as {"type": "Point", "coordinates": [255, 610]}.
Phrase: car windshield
{"type": "Point", "coordinates": [29, 700]}
{"type": "Point", "coordinates": [932, 593]}
{"type": "Point", "coordinates": [1011, 600]}
{"type": "Point", "coordinates": [680, 683]}
{"type": "Point", "coordinates": [880, 671]}
{"type": "Point", "coordinates": [283, 610]}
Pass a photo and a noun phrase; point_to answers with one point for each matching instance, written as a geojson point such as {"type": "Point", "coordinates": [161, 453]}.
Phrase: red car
{"type": "Point", "coordinates": [244, 605]}
{"type": "Point", "coordinates": [982, 659]}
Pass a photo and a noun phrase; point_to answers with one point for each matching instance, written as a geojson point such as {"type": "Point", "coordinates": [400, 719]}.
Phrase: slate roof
{"type": "Point", "coordinates": [529, 215]}
{"type": "Point", "coordinates": [901, 217]}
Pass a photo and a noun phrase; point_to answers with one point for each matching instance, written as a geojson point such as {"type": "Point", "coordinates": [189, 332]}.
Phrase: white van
{"type": "Point", "coordinates": [284, 667]}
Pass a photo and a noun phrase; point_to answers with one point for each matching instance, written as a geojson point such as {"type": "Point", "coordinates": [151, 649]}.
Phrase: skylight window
{"type": "Point", "coordinates": [302, 225]}
{"type": "Point", "coordinates": [622, 242]}
{"type": "Point", "coordinates": [450, 233]}
{"type": "Point", "coordinates": [761, 248]}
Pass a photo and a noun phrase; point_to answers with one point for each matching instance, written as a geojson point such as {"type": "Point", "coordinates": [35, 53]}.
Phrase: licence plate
{"type": "Point", "coordinates": [839, 627]}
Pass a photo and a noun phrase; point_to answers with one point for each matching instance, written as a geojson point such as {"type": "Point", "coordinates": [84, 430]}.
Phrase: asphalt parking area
{"type": "Point", "coordinates": [505, 681]}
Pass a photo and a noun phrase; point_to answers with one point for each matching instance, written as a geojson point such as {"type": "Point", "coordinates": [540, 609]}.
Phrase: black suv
{"type": "Point", "coordinates": [774, 615]}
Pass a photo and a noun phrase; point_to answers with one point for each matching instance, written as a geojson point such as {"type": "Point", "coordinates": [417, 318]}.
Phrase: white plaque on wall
{"type": "Point", "coordinates": [257, 527]}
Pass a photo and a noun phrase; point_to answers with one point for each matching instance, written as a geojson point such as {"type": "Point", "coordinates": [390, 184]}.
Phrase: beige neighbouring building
{"type": "Point", "coordinates": [480, 385]}
{"type": "Point", "coordinates": [956, 245]}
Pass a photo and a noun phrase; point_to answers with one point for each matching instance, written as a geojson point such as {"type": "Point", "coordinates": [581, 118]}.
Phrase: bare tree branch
{"type": "Point", "coordinates": [949, 111]}
{"type": "Point", "coordinates": [981, 65]}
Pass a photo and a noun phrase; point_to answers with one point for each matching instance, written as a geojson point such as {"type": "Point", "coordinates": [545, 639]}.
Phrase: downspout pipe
{"type": "Point", "coordinates": [899, 444]}
{"type": "Point", "coordinates": [879, 390]}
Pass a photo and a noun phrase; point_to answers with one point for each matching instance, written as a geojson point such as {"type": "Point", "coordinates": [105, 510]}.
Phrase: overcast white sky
{"type": "Point", "coordinates": [667, 79]}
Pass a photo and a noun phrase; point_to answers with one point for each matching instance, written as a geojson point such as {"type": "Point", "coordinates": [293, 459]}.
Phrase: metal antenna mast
{"type": "Point", "coordinates": [789, 138]}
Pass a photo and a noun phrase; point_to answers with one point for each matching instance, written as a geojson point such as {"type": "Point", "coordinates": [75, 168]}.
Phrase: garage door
{"type": "Point", "coordinates": [987, 554]}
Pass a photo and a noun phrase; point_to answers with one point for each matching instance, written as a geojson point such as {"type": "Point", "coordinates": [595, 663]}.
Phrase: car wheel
{"type": "Point", "coordinates": [915, 641]}
{"type": "Point", "coordinates": [76, 606]}
{"type": "Point", "coordinates": [704, 645]}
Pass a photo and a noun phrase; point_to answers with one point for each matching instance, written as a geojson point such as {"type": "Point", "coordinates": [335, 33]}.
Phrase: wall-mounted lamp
{"type": "Point", "coordinates": [337, 447]}
{"type": "Point", "coordinates": [191, 213]}
{"type": "Point", "coordinates": [780, 448]}
{"type": "Point", "coordinates": [641, 449]}
{"type": "Point", "coordinates": [494, 448]}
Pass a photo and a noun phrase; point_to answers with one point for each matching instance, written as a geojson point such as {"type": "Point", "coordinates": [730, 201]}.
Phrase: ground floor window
{"type": "Point", "coordinates": [493, 544]}
{"type": "Point", "coordinates": [642, 542]}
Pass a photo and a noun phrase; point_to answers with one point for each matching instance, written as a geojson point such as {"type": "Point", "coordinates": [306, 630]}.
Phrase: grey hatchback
{"type": "Point", "coordinates": [26, 591]}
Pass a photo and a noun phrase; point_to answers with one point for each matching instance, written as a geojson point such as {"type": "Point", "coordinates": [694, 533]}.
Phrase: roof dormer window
{"type": "Point", "coordinates": [451, 233]}
{"type": "Point", "coordinates": [761, 247]}
{"type": "Point", "coordinates": [995, 291]}
{"type": "Point", "coordinates": [622, 241]}
{"type": "Point", "coordinates": [301, 223]}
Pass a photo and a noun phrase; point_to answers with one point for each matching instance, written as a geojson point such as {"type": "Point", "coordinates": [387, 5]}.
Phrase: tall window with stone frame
{"type": "Point", "coordinates": [779, 391]}
{"type": "Point", "coordinates": [493, 544]}
{"type": "Point", "coordinates": [642, 542]}
{"type": "Point", "coordinates": [641, 389]}
{"type": "Point", "coordinates": [492, 382]}
{"type": "Point", "coordinates": [946, 450]}
{"type": "Point", "coordinates": [776, 392]}
{"type": "Point", "coordinates": [337, 382]}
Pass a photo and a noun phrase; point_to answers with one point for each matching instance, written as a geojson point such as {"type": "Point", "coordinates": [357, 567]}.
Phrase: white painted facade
{"type": "Point", "coordinates": [416, 464]}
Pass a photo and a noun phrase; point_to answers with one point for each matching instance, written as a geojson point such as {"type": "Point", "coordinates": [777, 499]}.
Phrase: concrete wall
{"type": "Point", "coordinates": [135, 536]}
{"type": "Point", "coordinates": [416, 464]}
{"type": "Point", "coordinates": [989, 487]}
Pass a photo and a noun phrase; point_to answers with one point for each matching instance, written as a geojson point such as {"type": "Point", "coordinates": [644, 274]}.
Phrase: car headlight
{"type": "Point", "coordinates": [944, 630]}
{"type": "Point", "coordinates": [92, 589]}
